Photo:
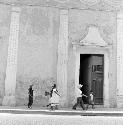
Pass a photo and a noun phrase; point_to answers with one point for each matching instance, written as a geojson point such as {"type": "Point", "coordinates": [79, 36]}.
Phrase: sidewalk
{"type": "Point", "coordinates": [62, 111]}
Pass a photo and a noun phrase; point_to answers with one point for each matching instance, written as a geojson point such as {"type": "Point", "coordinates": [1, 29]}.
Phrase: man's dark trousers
{"type": "Point", "coordinates": [79, 102]}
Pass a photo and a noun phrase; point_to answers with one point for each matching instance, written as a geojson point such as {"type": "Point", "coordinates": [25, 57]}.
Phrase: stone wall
{"type": "Point", "coordinates": [37, 52]}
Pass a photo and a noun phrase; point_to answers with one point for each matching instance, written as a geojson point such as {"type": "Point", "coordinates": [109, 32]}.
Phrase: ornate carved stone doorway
{"type": "Point", "coordinates": [93, 44]}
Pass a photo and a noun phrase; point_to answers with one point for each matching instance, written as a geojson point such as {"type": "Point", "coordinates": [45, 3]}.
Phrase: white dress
{"type": "Point", "coordinates": [54, 100]}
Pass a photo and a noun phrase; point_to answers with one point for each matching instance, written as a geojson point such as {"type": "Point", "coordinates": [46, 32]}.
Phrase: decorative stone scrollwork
{"type": "Point", "coordinates": [90, 2]}
{"type": "Point", "coordinates": [100, 4]}
{"type": "Point", "coordinates": [62, 1]}
{"type": "Point", "coordinates": [77, 33]}
{"type": "Point", "coordinates": [93, 38]}
{"type": "Point", "coordinates": [106, 33]}
{"type": "Point", "coordinates": [114, 3]}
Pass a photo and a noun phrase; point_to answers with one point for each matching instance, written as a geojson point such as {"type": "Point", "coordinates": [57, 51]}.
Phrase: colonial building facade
{"type": "Point", "coordinates": [67, 42]}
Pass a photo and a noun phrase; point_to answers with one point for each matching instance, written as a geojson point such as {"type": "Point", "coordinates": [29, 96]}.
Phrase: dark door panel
{"type": "Point", "coordinates": [97, 86]}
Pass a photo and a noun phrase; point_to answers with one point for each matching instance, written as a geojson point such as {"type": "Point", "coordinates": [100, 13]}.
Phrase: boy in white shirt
{"type": "Point", "coordinates": [79, 98]}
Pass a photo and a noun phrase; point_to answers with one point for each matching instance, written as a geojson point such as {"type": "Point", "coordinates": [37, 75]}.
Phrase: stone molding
{"type": "Point", "coordinates": [94, 50]}
{"type": "Point", "coordinates": [106, 5]}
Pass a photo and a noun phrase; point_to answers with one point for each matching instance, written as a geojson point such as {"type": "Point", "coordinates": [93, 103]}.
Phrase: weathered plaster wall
{"type": "Point", "coordinates": [4, 36]}
{"type": "Point", "coordinates": [37, 52]}
{"type": "Point", "coordinates": [106, 22]}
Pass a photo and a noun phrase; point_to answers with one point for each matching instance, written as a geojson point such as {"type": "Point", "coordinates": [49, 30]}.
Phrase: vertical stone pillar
{"type": "Point", "coordinates": [106, 80]}
{"type": "Point", "coordinates": [11, 69]}
{"type": "Point", "coordinates": [120, 59]}
{"type": "Point", "coordinates": [63, 57]}
{"type": "Point", "coordinates": [77, 69]}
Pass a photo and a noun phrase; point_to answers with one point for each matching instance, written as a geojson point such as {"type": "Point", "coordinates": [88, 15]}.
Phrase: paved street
{"type": "Point", "coordinates": [37, 116]}
{"type": "Point", "coordinates": [38, 119]}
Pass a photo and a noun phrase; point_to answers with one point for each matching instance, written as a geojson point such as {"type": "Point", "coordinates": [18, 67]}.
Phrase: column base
{"type": "Point", "coordinates": [63, 103]}
{"type": "Point", "coordinates": [106, 103]}
{"type": "Point", "coordinates": [9, 101]}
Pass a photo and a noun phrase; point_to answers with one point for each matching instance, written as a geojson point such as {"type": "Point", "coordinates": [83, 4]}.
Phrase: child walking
{"type": "Point", "coordinates": [91, 100]}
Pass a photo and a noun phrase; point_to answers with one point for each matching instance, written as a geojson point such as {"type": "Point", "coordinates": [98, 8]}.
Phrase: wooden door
{"type": "Point", "coordinates": [97, 86]}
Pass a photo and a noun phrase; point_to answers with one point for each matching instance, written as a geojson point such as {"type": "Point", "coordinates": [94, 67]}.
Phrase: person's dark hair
{"type": "Point", "coordinates": [31, 85]}
{"type": "Point", "coordinates": [54, 86]}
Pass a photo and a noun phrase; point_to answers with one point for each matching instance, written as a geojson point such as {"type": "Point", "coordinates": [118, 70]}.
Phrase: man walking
{"type": "Point", "coordinates": [30, 92]}
{"type": "Point", "coordinates": [79, 98]}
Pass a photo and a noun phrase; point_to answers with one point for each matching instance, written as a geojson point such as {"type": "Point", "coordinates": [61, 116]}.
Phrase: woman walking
{"type": "Point", "coordinates": [54, 100]}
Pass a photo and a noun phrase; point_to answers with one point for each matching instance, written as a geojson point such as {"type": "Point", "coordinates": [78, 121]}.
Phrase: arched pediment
{"type": "Point", "coordinates": [93, 38]}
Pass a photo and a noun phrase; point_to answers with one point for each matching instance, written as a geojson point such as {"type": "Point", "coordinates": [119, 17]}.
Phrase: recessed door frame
{"type": "Point", "coordinates": [94, 50]}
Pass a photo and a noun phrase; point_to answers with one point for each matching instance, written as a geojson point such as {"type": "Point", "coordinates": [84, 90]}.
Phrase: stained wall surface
{"type": "Point", "coordinates": [37, 49]}
{"type": "Point", "coordinates": [37, 52]}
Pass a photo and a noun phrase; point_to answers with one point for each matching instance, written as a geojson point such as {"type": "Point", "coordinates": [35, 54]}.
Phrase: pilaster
{"type": "Point", "coordinates": [120, 59]}
{"type": "Point", "coordinates": [11, 69]}
{"type": "Point", "coordinates": [106, 80]}
{"type": "Point", "coordinates": [63, 57]}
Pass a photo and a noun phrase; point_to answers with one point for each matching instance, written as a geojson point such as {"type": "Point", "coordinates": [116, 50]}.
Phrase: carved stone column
{"type": "Point", "coordinates": [120, 59]}
{"type": "Point", "coordinates": [106, 80]}
{"type": "Point", "coordinates": [11, 69]}
{"type": "Point", "coordinates": [63, 57]}
{"type": "Point", "coordinates": [77, 68]}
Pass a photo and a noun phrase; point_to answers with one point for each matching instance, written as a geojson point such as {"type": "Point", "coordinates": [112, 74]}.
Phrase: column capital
{"type": "Point", "coordinates": [63, 11]}
{"type": "Point", "coordinates": [16, 9]}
